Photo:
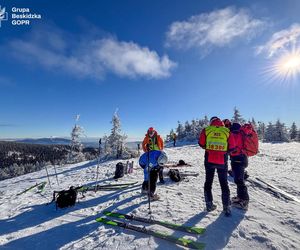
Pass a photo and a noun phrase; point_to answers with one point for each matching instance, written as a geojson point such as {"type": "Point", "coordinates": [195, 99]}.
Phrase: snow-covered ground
{"type": "Point", "coordinates": [271, 222]}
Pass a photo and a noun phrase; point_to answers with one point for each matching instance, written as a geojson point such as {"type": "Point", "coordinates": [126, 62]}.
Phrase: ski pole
{"type": "Point", "coordinates": [99, 154]}
{"type": "Point", "coordinates": [55, 174]}
{"type": "Point", "coordinates": [48, 176]}
{"type": "Point", "coordinates": [148, 163]}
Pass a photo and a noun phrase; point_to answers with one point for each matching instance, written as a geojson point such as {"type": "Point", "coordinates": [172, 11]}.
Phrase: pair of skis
{"type": "Point", "coordinates": [107, 187]}
{"type": "Point", "coordinates": [40, 187]}
{"type": "Point", "coordinates": [178, 240]}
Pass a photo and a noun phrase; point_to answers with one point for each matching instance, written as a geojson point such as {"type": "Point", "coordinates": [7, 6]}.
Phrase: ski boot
{"type": "Point", "coordinates": [210, 206]}
{"type": "Point", "coordinates": [227, 211]}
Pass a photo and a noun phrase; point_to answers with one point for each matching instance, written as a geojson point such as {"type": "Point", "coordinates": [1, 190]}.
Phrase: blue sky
{"type": "Point", "coordinates": [156, 61]}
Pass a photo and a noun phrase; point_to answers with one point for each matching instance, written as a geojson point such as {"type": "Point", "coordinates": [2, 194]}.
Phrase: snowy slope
{"type": "Point", "coordinates": [270, 223]}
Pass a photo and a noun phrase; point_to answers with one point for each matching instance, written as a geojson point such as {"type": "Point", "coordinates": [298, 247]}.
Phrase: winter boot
{"type": "Point", "coordinates": [154, 197]}
{"type": "Point", "coordinates": [235, 199]}
{"type": "Point", "coordinates": [241, 204]}
{"type": "Point", "coordinates": [227, 211]}
{"type": "Point", "coordinates": [210, 206]}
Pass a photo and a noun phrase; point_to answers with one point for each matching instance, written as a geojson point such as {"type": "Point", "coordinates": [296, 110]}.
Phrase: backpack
{"type": "Point", "coordinates": [65, 198]}
{"type": "Point", "coordinates": [174, 175]}
{"type": "Point", "coordinates": [120, 170]}
{"type": "Point", "coordinates": [250, 140]}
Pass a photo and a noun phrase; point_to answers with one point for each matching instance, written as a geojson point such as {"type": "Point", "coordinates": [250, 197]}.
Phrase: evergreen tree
{"type": "Point", "coordinates": [116, 141]}
{"type": "Point", "coordinates": [237, 117]}
{"type": "Point", "coordinates": [188, 131]}
{"type": "Point", "coordinates": [261, 130]}
{"type": "Point", "coordinates": [269, 133]}
{"type": "Point", "coordinates": [281, 134]}
{"type": "Point", "coordinates": [180, 131]}
{"type": "Point", "coordinates": [293, 131]}
{"type": "Point", "coordinates": [253, 123]}
{"type": "Point", "coordinates": [76, 154]}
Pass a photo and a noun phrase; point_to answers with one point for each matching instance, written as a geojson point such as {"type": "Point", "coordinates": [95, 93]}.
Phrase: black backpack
{"type": "Point", "coordinates": [65, 198]}
{"type": "Point", "coordinates": [119, 170]}
{"type": "Point", "coordinates": [174, 175]}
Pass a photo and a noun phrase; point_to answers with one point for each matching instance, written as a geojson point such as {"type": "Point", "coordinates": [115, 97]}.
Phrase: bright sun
{"type": "Point", "coordinates": [286, 68]}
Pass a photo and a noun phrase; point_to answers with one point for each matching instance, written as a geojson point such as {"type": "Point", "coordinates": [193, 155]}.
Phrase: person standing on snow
{"type": "Point", "coordinates": [174, 137]}
{"type": "Point", "coordinates": [153, 141]}
{"type": "Point", "coordinates": [239, 161]}
{"type": "Point", "coordinates": [227, 123]}
{"type": "Point", "coordinates": [156, 159]}
{"type": "Point", "coordinates": [217, 142]}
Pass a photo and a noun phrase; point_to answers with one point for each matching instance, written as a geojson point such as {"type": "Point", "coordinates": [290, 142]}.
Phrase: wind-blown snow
{"type": "Point", "coordinates": [270, 223]}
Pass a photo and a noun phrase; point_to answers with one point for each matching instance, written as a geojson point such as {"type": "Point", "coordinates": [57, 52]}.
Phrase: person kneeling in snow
{"type": "Point", "coordinates": [154, 159]}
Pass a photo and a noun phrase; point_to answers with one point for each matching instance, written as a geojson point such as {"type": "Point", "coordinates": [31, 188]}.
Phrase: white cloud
{"type": "Point", "coordinates": [215, 29]}
{"type": "Point", "coordinates": [90, 57]}
{"type": "Point", "coordinates": [281, 40]}
{"type": "Point", "coordinates": [129, 59]}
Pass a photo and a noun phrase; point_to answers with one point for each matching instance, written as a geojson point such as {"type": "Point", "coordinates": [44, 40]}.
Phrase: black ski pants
{"type": "Point", "coordinates": [238, 165]}
{"type": "Point", "coordinates": [153, 180]}
{"type": "Point", "coordinates": [209, 177]}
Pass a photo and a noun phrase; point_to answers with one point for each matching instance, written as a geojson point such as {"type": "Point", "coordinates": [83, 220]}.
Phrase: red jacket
{"type": "Point", "coordinates": [216, 157]}
{"type": "Point", "coordinates": [238, 137]}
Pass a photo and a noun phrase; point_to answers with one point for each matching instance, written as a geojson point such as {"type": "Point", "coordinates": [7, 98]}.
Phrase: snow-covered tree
{"type": "Point", "coordinates": [116, 140]}
{"type": "Point", "coordinates": [237, 117]}
{"type": "Point", "coordinates": [261, 128]}
{"type": "Point", "coordinates": [281, 132]}
{"type": "Point", "coordinates": [276, 132]}
{"type": "Point", "coordinates": [253, 123]}
{"type": "Point", "coordinates": [293, 131]}
{"type": "Point", "coordinates": [180, 131]}
{"type": "Point", "coordinates": [77, 132]}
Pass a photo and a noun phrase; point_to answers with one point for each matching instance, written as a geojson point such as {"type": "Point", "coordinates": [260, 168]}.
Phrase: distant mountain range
{"type": "Point", "coordinates": [46, 141]}
{"type": "Point", "coordinates": [87, 142]}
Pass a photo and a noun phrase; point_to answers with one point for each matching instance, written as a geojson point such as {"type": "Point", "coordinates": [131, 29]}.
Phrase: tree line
{"type": "Point", "coordinates": [271, 132]}
{"type": "Point", "coordinates": [21, 158]}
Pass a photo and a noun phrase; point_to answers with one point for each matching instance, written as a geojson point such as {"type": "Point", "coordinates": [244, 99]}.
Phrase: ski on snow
{"type": "Point", "coordinates": [41, 184]}
{"type": "Point", "coordinates": [106, 187]}
{"type": "Point", "coordinates": [180, 241]}
{"type": "Point", "coordinates": [189, 229]}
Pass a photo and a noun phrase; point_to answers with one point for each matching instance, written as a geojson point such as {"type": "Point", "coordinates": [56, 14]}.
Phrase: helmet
{"type": "Point", "coordinates": [151, 131]}
{"type": "Point", "coordinates": [227, 123]}
{"type": "Point", "coordinates": [163, 158]}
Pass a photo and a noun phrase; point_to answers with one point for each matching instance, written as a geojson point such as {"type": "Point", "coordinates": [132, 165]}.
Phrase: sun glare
{"type": "Point", "coordinates": [286, 69]}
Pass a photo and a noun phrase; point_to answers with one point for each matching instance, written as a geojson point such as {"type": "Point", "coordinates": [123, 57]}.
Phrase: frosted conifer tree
{"type": "Point", "coordinates": [76, 145]}
{"type": "Point", "coordinates": [293, 131]}
{"type": "Point", "coordinates": [253, 123]}
{"type": "Point", "coordinates": [261, 130]}
{"type": "Point", "coordinates": [281, 133]}
{"type": "Point", "coordinates": [237, 117]}
{"type": "Point", "coordinates": [180, 131]}
{"type": "Point", "coordinates": [269, 133]}
{"type": "Point", "coordinates": [116, 141]}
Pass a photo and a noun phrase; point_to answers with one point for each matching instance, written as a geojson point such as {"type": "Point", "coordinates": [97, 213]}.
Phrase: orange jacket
{"type": "Point", "coordinates": [157, 144]}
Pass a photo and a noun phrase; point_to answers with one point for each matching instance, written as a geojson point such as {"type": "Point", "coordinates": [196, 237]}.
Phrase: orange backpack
{"type": "Point", "coordinates": [250, 140]}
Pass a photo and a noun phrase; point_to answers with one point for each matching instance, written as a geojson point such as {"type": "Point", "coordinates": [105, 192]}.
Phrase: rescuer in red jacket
{"type": "Point", "coordinates": [217, 142]}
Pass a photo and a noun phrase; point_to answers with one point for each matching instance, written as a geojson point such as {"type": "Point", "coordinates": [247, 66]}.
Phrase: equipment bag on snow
{"type": "Point", "coordinates": [250, 140]}
{"type": "Point", "coordinates": [65, 198]}
{"type": "Point", "coordinates": [174, 175]}
{"type": "Point", "coordinates": [120, 170]}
